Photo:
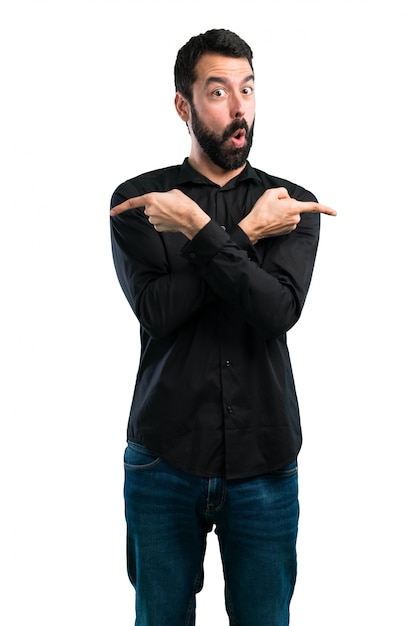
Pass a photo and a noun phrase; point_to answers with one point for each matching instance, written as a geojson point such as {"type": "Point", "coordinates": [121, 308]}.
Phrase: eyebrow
{"type": "Point", "coordinates": [224, 81]}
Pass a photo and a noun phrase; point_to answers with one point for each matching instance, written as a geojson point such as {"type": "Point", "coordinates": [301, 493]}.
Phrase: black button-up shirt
{"type": "Point", "coordinates": [214, 393]}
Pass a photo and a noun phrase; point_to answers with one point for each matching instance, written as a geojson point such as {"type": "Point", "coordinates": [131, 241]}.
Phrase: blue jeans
{"type": "Point", "coordinates": [169, 514]}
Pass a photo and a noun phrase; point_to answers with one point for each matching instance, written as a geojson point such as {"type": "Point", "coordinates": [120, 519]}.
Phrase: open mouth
{"type": "Point", "coordinates": [239, 134]}
{"type": "Point", "coordinates": [238, 138]}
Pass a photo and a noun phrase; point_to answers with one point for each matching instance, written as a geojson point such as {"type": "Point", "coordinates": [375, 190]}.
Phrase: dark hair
{"type": "Point", "coordinates": [218, 41]}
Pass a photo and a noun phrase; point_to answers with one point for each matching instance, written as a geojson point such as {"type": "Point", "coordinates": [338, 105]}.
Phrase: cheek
{"type": "Point", "coordinates": [250, 116]}
{"type": "Point", "coordinates": [215, 116]}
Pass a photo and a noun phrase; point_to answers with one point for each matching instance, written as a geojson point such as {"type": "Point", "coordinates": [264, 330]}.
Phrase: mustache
{"type": "Point", "coordinates": [233, 127]}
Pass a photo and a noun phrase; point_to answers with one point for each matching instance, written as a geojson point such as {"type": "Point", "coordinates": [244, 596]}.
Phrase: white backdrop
{"type": "Point", "coordinates": [87, 102]}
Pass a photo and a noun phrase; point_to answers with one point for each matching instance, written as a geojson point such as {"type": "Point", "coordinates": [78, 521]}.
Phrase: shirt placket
{"type": "Point", "coordinates": [226, 356]}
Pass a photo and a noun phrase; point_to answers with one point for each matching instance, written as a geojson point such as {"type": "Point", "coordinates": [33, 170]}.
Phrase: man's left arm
{"type": "Point", "coordinates": [264, 266]}
{"type": "Point", "coordinates": [269, 281]}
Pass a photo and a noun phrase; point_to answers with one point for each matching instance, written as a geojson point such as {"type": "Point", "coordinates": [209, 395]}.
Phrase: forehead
{"type": "Point", "coordinates": [213, 66]}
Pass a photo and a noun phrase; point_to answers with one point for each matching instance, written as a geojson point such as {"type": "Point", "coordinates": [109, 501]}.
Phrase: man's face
{"type": "Point", "coordinates": [218, 147]}
{"type": "Point", "coordinates": [223, 110]}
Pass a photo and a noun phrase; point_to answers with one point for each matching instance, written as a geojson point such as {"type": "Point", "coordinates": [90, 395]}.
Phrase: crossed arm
{"type": "Point", "coordinates": [275, 213]}
{"type": "Point", "coordinates": [270, 297]}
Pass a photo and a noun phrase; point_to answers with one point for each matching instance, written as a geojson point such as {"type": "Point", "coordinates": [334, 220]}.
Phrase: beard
{"type": "Point", "coordinates": [214, 146]}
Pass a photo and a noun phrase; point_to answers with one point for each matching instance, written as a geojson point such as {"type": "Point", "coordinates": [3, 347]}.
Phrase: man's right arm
{"type": "Point", "coordinates": [276, 213]}
{"type": "Point", "coordinates": [162, 298]}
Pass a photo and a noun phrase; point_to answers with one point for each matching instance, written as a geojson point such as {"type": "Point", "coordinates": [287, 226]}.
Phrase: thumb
{"type": "Point", "coordinates": [282, 193]}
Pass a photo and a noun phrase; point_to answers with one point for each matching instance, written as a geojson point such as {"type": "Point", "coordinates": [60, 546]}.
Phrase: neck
{"type": "Point", "coordinates": [213, 172]}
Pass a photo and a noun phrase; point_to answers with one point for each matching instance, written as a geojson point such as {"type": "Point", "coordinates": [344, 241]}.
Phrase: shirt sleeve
{"type": "Point", "coordinates": [162, 299]}
{"type": "Point", "coordinates": [267, 282]}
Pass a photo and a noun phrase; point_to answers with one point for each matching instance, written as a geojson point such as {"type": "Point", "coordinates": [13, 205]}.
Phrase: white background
{"type": "Point", "coordinates": [87, 102]}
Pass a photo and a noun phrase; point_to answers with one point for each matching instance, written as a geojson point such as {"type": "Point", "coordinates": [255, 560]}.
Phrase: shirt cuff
{"type": "Point", "coordinates": [203, 247]}
{"type": "Point", "coordinates": [243, 242]}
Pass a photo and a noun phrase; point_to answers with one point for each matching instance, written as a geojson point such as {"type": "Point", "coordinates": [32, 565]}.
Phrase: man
{"type": "Point", "coordinates": [215, 259]}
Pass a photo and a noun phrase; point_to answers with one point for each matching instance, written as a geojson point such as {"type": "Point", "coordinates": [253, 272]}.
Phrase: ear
{"type": "Point", "coordinates": [182, 107]}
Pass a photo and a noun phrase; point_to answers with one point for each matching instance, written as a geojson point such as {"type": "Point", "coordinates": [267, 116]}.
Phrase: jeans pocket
{"type": "Point", "coordinates": [138, 458]}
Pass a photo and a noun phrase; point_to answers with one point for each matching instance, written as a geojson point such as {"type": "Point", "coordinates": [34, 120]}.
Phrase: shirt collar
{"type": "Point", "coordinates": [189, 175]}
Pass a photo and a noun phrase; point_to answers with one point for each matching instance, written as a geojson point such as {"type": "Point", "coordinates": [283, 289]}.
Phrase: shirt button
{"type": "Point", "coordinates": [223, 227]}
{"type": "Point", "coordinates": [228, 363]}
{"type": "Point", "coordinates": [229, 409]}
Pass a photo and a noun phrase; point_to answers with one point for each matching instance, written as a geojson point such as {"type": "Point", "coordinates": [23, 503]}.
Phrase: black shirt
{"type": "Point", "coordinates": [214, 393]}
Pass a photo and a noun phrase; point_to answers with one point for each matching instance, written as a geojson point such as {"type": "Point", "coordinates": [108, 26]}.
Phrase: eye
{"type": "Point", "coordinates": [247, 91]}
{"type": "Point", "coordinates": [219, 92]}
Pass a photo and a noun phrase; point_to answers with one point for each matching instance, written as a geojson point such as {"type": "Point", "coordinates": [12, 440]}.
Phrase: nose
{"type": "Point", "coordinates": [237, 106]}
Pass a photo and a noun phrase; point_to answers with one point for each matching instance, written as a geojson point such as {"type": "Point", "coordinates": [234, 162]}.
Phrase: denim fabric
{"type": "Point", "coordinates": [169, 514]}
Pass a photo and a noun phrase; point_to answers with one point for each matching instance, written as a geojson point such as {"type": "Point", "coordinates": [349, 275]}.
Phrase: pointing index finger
{"type": "Point", "coordinates": [128, 205]}
{"type": "Point", "coordinates": [315, 207]}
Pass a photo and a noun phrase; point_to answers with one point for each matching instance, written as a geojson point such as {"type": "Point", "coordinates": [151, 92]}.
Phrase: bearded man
{"type": "Point", "coordinates": [215, 258]}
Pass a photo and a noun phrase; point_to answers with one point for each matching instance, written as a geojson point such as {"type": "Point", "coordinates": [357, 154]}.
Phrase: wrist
{"type": "Point", "coordinates": [250, 228]}
{"type": "Point", "coordinates": [195, 225]}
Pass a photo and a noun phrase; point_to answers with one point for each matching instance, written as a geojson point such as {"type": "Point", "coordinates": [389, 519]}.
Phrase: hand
{"type": "Point", "coordinates": [168, 211]}
{"type": "Point", "coordinates": [276, 213]}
